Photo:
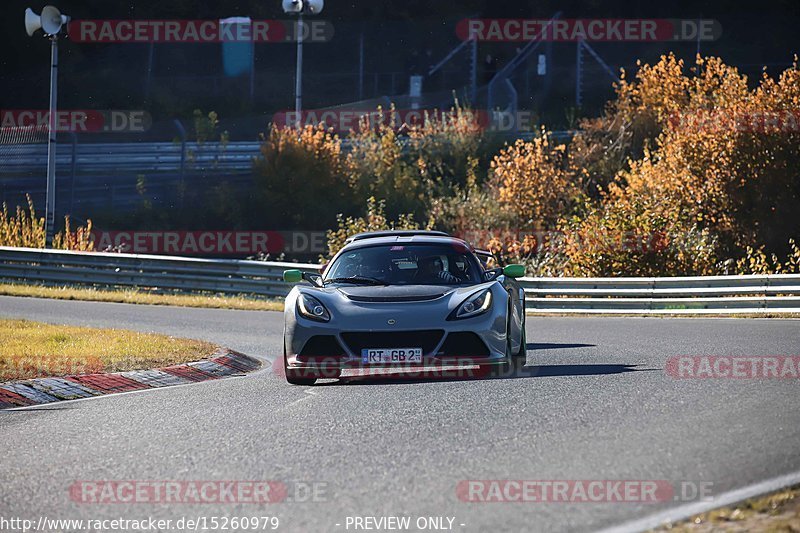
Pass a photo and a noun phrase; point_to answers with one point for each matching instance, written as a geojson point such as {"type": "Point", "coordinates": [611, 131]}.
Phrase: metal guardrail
{"type": "Point", "coordinates": [120, 176]}
{"type": "Point", "coordinates": [133, 156]}
{"type": "Point", "coordinates": [774, 293]}
{"type": "Point", "coordinates": [94, 177]}
{"type": "Point", "coordinates": [152, 272]}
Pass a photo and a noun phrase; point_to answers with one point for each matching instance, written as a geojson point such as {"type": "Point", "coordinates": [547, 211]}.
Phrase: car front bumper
{"type": "Point", "coordinates": [479, 340]}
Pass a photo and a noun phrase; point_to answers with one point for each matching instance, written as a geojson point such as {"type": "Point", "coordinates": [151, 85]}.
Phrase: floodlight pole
{"type": "Point", "coordinates": [50, 211]}
{"type": "Point", "coordinates": [298, 81]}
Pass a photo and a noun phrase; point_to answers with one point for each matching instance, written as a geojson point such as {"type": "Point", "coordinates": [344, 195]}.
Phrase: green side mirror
{"type": "Point", "coordinates": [292, 276]}
{"type": "Point", "coordinates": [514, 271]}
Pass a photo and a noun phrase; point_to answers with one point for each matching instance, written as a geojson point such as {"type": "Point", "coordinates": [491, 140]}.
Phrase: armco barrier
{"type": "Point", "coordinates": [774, 293]}
{"type": "Point", "coordinates": [155, 272]}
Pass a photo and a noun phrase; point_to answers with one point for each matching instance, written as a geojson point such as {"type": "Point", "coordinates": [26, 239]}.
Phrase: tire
{"type": "Point", "coordinates": [502, 369]}
{"type": "Point", "coordinates": [506, 367]}
{"type": "Point", "coordinates": [522, 353]}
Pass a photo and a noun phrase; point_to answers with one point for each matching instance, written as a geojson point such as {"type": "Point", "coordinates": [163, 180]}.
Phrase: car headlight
{"type": "Point", "coordinates": [474, 305]}
{"type": "Point", "coordinates": [310, 307]}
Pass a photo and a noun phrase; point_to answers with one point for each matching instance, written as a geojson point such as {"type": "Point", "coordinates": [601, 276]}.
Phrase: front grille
{"type": "Point", "coordinates": [427, 339]}
{"type": "Point", "coordinates": [321, 345]}
{"type": "Point", "coordinates": [464, 344]}
{"type": "Point", "coordinates": [395, 298]}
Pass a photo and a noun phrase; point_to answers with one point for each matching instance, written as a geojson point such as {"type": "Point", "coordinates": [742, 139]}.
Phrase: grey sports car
{"type": "Point", "coordinates": [402, 298]}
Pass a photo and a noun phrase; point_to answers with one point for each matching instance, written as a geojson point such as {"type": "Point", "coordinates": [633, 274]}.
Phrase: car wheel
{"type": "Point", "coordinates": [505, 368]}
{"type": "Point", "coordinates": [522, 353]}
{"type": "Point", "coordinates": [502, 369]}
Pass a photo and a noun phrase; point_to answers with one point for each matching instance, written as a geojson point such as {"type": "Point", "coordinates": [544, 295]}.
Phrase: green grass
{"type": "Point", "coordinates": [33, 349]}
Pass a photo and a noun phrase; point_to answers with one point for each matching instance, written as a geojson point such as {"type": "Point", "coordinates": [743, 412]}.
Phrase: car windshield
{"type": "Point", "coordinates": [403, 264]}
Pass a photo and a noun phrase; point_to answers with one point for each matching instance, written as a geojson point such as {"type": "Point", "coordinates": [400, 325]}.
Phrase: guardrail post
{"type": "Point", "coordinates": [73, 165]}
{"type": "Point", "coordinates": [766, 285]}
{"type": "Point", "coordinates": [653, 282]}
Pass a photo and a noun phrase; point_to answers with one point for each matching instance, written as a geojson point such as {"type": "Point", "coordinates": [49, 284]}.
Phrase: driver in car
{"type": "Point", "coordinates": [431, 269]}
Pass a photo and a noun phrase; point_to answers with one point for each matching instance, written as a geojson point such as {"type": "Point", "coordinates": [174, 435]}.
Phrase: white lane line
{"type": "Point", "coordinates": [310, 394]}
{"type": "Point", "coordinates": [690, 509]}
{"type": "Point", "coordinates": [292, 404]}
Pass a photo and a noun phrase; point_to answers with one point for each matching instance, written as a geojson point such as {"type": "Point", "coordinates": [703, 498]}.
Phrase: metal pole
{"type": "Point", "coordinates": [149, 77]}
{"type": "Point", "coordinates": [74, 139]}
{"type": "Point", "coordinates": [298, 87]}
{"type": "Point", "coordinates": [50, 211]}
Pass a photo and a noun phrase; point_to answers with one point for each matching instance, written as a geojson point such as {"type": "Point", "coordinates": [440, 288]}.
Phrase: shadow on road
{"type": "Point", "coordinates": [555, 346]}
{"type": "Point", "coordinates": [576, 370]}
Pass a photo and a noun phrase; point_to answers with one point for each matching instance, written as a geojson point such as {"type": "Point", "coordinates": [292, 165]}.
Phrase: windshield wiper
{"type": "Point", "coordinates": [357, 280]}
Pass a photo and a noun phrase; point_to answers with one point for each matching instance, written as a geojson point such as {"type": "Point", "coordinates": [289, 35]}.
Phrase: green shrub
{"type": "Point", "coordinates": [300, 180]}
{"type": "Point", "coordinates": [374, 220]}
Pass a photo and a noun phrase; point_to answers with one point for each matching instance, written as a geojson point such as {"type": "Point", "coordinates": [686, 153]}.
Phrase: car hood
{"type": "Point", "coordinates": [369, 307]}
{"type": "Point", "coordinates": [395, 293]}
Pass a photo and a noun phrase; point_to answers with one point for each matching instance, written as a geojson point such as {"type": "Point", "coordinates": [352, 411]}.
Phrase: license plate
{"type": "Point", "coordinates": [391, 355]}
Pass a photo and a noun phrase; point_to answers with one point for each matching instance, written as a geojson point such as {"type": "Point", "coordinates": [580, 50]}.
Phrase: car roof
{"type": "Point", "coordinates": [393, 232]}
{"type": "Point", "coordinates": [394, 238]}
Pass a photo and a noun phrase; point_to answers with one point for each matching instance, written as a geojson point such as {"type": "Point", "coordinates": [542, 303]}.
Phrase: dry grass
{"type": "Point", "coordinates": [141, 297]}
{"type": "Point", "coordinates": [24, 228]}
{"type": "Point", "coordinates": [776, 512]}
{"type": "Point", "coordinates": [32, 349]}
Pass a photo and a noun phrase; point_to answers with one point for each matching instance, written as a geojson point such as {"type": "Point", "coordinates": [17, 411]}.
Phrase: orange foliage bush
{"type": "Point", "coordinates": [531, 182]}
{"type": "Point", "coordinates": [690, 170]}
{"type": "Point", "coordinates": [301, 177]}
{"type": "Point", "coordinates": [720, 178]}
